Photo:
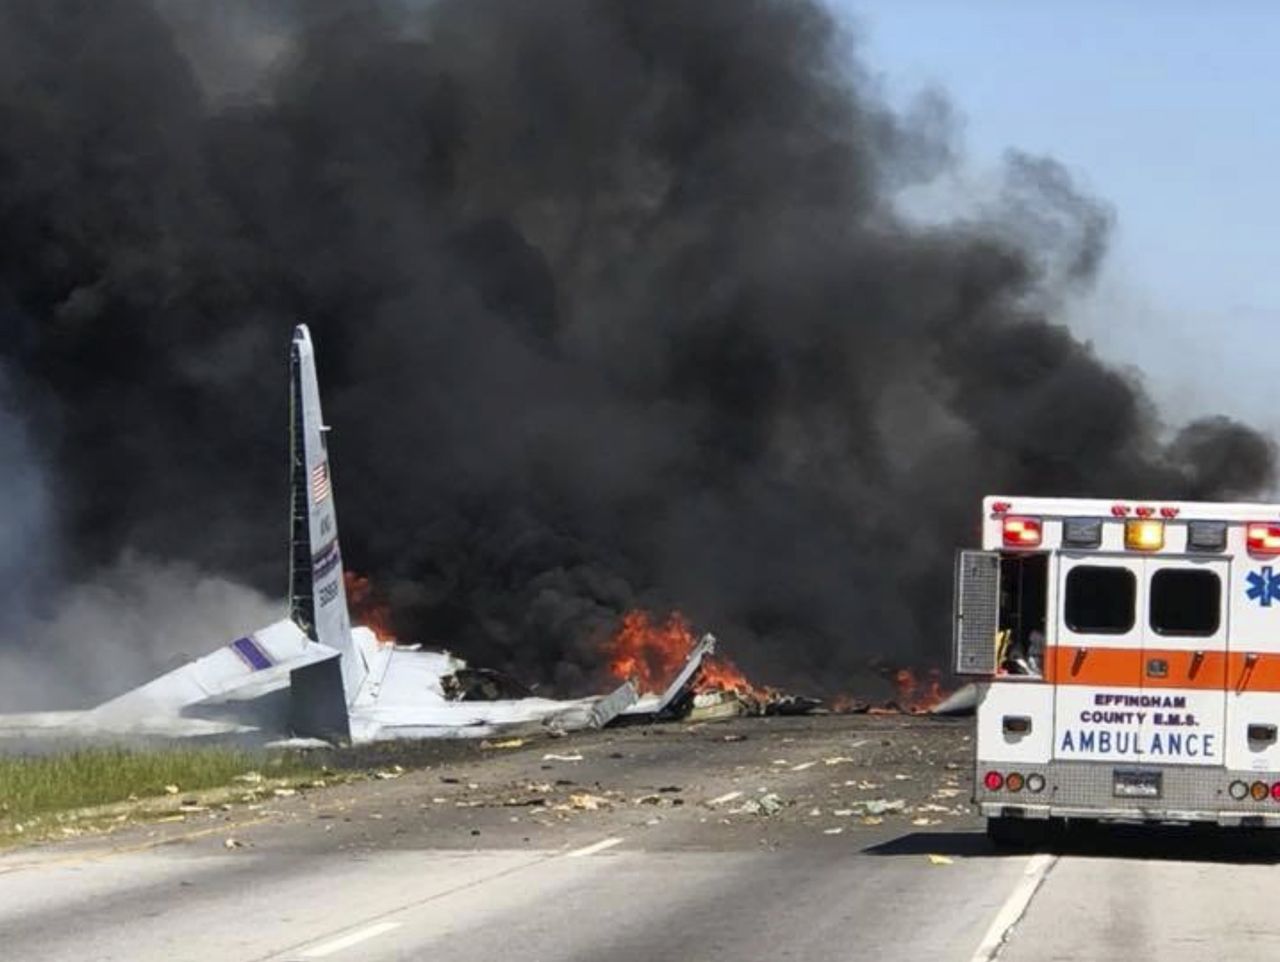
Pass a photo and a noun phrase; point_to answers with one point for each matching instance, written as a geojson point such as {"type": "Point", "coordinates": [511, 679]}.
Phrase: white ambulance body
{"type": "Point", "coordinates": [1132, 657]}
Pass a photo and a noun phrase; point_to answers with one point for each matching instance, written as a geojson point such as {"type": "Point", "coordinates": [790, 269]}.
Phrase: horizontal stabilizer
{"type": "Point", "coordinates": [261, 660]}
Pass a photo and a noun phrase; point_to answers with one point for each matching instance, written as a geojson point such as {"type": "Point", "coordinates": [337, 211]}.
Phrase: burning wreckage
{"type": "Point", "coordinates": [315, 675]}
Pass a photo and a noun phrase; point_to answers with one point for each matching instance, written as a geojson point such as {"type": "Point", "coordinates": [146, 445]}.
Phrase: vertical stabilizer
{"type": "Point", "coordinates": [317, 595]}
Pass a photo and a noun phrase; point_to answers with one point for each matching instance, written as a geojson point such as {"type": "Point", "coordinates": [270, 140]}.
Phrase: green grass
{"type": "Point", "coordinates": [31, 786]}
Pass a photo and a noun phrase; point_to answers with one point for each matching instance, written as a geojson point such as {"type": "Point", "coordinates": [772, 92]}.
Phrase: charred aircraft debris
{"type": "Point", "coordinates": [314, 675]}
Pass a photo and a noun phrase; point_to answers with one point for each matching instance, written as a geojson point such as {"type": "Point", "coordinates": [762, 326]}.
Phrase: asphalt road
{"type": "Point", "coordinates": [755, 839]}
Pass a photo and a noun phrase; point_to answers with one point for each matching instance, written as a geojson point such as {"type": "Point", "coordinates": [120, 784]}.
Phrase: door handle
{"type": "Point", "coordinates": [1262, 733]}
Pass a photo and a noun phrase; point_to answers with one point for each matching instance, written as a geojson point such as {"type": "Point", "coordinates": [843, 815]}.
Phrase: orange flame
{"type": "Point", "coordinates": [652, 654]}
{"type": "Point", "coordinates": [367, 606]}
{"type": "Point", "coordinates": [917, 696]}
{"type": "Point", "coordinates": [843, 703]}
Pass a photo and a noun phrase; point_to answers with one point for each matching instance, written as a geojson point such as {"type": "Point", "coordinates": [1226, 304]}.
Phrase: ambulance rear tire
{"type": "Point", "coordinates": [1016, 832]}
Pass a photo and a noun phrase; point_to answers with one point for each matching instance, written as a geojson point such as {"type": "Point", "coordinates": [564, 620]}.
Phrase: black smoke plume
{"type": "Point", "coordinates": [613, 303]}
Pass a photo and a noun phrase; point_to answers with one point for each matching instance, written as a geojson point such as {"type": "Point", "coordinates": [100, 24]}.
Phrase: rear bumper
{"type": "Point", "coordinates": [1225, 819]}
{"type": "Point", "coordinates": [1085, 790]}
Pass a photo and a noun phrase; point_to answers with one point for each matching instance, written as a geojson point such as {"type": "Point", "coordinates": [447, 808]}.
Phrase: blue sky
{"type": "Point", "coordinates": [1168, 111]}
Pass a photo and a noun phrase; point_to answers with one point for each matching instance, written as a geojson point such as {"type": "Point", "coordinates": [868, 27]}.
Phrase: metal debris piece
{"type": "Point", "coordinates": [803, 766]}
{"type": "Point", "coordinates": [523, 801]}
{"type": "Point", "coordinates": [883, 806]}
{"type": "Point", "coordinates": [553, 757]}
{"type": "Point", "coordinates": [837, 760]}
{"type": "Point", "coordinates": [941, 859]}
{"type": "Point", "coordinates": [713, 705]}
{"type": "Point", "coordinates": [482, 684]}
{"type": "Point", "coordinates": [612, 705]}
{"type": "Point", "coordinates": [726, 797]}
{"type": "Point", "coordinates": [677, 699]}
{"type": "Point", "coordinates": [585, 801]}
{"type": "Point", "coordinates": [832, 831]}
{"type": "Point", "coordinates": [504, 743]}
{"type": "Point", "coordinates": [770, 804]}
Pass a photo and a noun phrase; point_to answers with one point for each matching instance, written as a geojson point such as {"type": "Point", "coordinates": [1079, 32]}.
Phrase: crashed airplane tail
{"type": "Point", "coordinates": [314, 652]}
{"type": "Point", "coordinates": [322, 691]}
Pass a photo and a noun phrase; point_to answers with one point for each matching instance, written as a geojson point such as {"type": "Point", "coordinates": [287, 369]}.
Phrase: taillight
{"type": "Point", "coordinates": [1022, 532]}
{"type": "Point", "coordinates": [1259, 791]}
{"type": "Point", "coordinates": [1013, 782]}
{"type": "Point", "coordinates": [1035, 782]}
{"type": "Point", "coordinates": [1275, 791]}
{"type": "Point", "coordinates": [993, 781]}
{"type": "Point", "coordinates": [1264, 537]}
{"type": "Point", "coordinates": [1238, 790]}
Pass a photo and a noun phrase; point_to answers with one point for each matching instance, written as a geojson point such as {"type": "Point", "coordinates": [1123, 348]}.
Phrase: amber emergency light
{"type": "Point", "coordinates": [1144, 534]}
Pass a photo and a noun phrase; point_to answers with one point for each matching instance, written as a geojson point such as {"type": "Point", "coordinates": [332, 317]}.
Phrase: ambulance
{"type": "Point", "coordinates": [1129, 661]}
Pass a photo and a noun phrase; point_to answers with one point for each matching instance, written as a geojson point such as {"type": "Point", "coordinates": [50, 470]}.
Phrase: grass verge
{"type": "Point", "coordinates": [34, 788]}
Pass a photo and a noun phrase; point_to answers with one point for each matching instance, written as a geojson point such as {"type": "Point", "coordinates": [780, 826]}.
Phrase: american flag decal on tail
{"type": "Point", "coordinates": [320, 482]}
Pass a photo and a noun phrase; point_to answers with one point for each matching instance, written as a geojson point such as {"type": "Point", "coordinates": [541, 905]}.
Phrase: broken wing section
{"type": "Point", "coordinates": [408, 696]}
{"type": "Point", "coordinates": [414, 693]}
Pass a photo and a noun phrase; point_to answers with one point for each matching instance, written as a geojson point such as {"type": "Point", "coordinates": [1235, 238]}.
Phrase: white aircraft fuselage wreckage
{"type": "Point", "coordinates": [313, 675]}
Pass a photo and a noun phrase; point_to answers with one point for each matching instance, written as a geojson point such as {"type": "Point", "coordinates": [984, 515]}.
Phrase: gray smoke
{"type": "Point", "coordinates": [613, 303]}
{"type": "Point", "coordinates": [118, 628]}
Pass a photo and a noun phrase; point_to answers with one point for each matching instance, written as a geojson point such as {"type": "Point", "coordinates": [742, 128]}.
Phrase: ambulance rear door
{"type": "Point", "coordinates": [1096, 663]}
{"type": "Point", "coordinates": [1184, 660]}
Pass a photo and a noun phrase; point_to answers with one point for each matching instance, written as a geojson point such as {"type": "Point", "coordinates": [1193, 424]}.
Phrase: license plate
{"type": "Point", "coordinates": [1136, 784]}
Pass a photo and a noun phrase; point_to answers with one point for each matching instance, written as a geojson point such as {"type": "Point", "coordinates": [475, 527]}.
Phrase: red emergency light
{"type": "Point", "coordinates": [1264, 537]}
{"type": "Point", "coordinates": [1024, 532]}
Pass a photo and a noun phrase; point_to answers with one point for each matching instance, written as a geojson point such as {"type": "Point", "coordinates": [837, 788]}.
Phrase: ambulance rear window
{"type": "Point", "coordinates": [1185, 602]}
{"type": "Point", "coordinates": [1100, 600]}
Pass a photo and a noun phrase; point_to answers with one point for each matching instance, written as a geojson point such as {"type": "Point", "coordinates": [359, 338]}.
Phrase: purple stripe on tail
{"type": "Point", "coordinates": [252, 653]}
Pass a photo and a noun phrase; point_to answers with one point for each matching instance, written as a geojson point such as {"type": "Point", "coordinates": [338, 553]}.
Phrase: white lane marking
{"type": "Point", "coordinates": [599, 846]}
{"type": "Point", "coordinates": [726, 797]}
{"type": "Point", "coordinates": [1015, 906]}
{"type": "Point", "coordinates": [354, 938]}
